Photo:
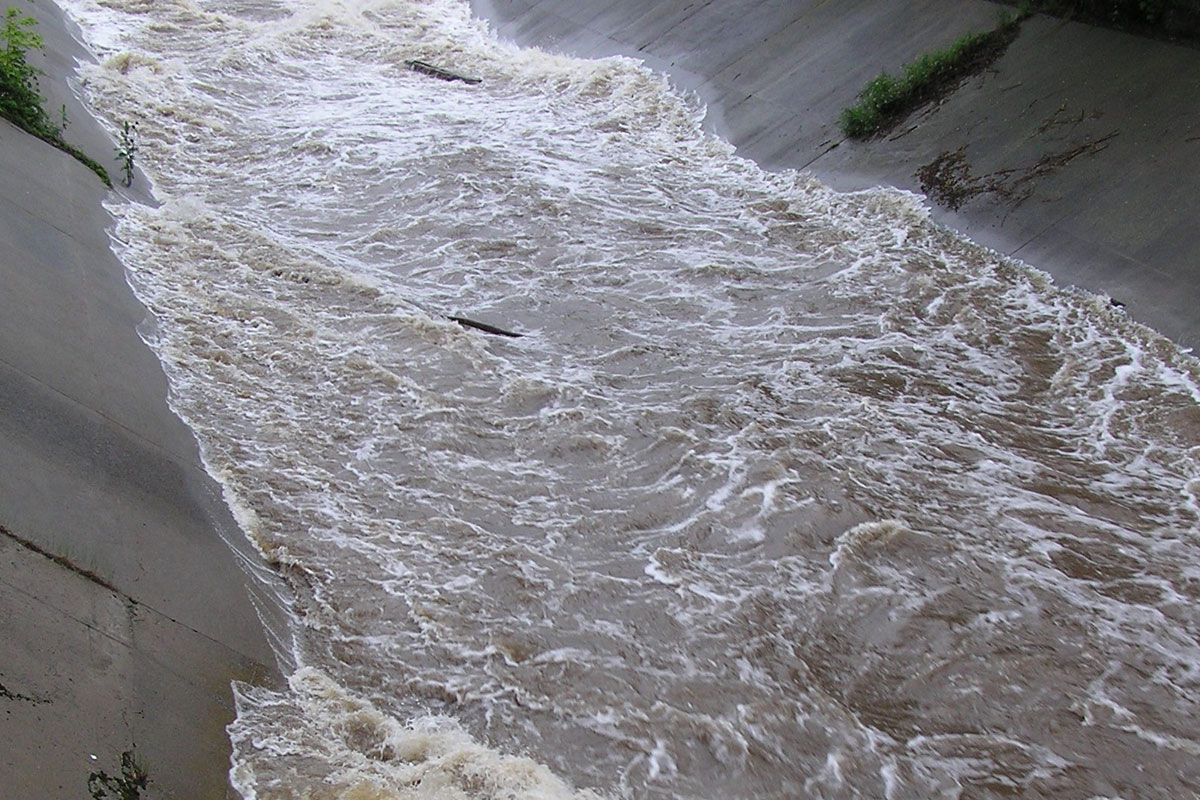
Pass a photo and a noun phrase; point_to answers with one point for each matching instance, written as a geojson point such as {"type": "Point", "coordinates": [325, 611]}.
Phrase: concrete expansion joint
{"type": "Point", "coordinates": [65, 563]}
{"type": "Point", "coordinates": [132, 604]}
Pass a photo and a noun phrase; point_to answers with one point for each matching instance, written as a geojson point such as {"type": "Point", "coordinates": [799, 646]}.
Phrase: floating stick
{"type": "Point", "coordinates": [429, 69]}
{"type": "Point", "coordinates": [483, 326]}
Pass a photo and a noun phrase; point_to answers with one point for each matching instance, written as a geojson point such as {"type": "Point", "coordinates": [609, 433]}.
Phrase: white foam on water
{"type": "Point", "coordinates": [365, 753]}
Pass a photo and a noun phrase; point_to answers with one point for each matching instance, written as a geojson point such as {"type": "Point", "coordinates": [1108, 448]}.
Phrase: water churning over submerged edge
{"type": "Point", "coordinates": [785, 493]}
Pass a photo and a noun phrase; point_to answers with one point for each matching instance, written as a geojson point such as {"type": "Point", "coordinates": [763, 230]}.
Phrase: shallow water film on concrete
{"type": "Point", "coordinates": [781, 492]}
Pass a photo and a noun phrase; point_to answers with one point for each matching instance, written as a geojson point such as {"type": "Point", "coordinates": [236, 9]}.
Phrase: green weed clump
{"type": "Point", "coordinates": [20, 102]}
{"type": "Point", "coordinates": [888, 99]}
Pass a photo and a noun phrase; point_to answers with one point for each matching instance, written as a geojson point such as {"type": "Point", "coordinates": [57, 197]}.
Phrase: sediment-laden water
{"type": "Point", "coordinates": [784, 493]}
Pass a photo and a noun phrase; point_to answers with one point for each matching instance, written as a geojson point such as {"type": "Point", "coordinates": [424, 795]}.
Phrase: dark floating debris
{"type": "Point", "coordinates": [483, 326]}
{"type": "Point", "coordinates": [429, 69]}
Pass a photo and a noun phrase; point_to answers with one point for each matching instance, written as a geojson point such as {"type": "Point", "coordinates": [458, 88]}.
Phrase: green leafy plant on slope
{"type": "Point", "coordinates": [20, 102]}
{"type": "Point", "coordinates": [126, 150]}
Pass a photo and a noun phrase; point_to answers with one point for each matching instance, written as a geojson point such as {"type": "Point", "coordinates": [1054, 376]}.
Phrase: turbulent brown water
{"type": "Point", "coordinates": [783, 494]}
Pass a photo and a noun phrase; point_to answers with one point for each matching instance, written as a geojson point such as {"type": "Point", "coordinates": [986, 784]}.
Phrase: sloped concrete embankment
{"type": "Point", "coordinates": [125, 615]}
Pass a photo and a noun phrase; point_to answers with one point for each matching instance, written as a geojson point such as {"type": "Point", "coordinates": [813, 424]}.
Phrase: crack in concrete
{"type": "Point", "coordinates": [8, 694]}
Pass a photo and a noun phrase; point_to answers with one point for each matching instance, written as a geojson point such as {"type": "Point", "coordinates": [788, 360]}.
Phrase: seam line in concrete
{"type": "Point", "coordinates": [166, 667]}
{"type": "Point", "coordinates": [100, 581]}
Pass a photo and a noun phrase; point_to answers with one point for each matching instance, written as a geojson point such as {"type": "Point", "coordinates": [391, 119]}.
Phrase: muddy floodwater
{"type": "Point", "coordinates": [782, 493]}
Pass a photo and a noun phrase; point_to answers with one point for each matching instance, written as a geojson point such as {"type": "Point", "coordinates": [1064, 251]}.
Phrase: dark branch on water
{"type": "Point", "coordinates": [426, 68]}
{"type": "Point", "coordinates": [483, 326]}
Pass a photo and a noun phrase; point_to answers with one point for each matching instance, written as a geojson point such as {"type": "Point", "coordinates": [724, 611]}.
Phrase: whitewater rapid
{"type": "Point", "coordinates": [782, 492]}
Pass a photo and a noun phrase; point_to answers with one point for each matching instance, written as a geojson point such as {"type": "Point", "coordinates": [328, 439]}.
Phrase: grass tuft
{"type": "Point", "coordinates": [888, 99]}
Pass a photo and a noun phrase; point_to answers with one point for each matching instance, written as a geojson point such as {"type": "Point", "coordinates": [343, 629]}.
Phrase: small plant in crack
{"type": "Point", "coordinates": [126, 150]}
{"type": "Point", "coordinates": [128, 785]}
